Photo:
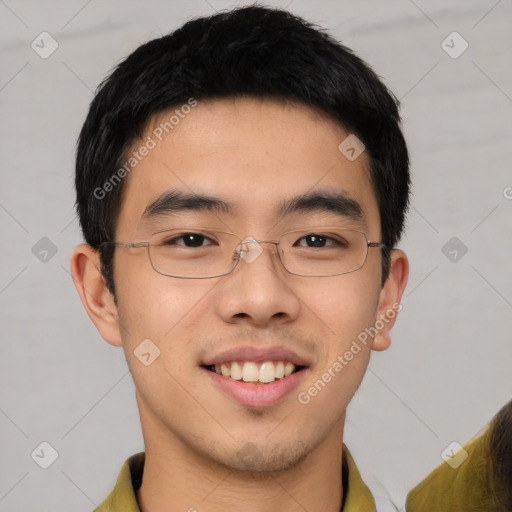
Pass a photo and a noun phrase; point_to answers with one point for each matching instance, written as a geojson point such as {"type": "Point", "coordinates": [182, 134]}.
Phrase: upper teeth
{"type": "Point", "coordinates": [249, 371]}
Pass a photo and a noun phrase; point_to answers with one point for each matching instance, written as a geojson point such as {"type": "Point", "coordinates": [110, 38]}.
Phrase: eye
{"type": "Point", "coordinates": [319, 240]}
{"type": "Point", "coordinates": [188, 240]}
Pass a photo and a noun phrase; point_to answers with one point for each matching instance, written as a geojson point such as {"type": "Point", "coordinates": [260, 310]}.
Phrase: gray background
{"type": "Point", "coordinates": [448, 370]}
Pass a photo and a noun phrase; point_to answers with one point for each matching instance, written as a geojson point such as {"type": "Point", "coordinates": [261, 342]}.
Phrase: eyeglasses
{"type": "Point", "coordinates": [204, 253]}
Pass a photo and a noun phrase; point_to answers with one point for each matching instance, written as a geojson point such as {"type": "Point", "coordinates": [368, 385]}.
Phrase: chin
{"type": "Point", "coordinates": [261, 461]}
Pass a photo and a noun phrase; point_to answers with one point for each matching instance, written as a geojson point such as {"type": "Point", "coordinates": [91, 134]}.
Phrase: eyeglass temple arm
{"type": "Point", "coordinates": [131, 245]}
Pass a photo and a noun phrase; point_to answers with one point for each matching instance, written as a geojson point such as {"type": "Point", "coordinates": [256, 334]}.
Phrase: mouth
{"type": "Point", "coordinates": [256, 373]}
{"type": "Point", "coordinates": [257, 378]}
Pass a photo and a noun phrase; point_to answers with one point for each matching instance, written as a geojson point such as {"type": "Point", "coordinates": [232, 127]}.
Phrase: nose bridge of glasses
{"type": "Point", "coordinates": [250, 249]}
{"type": "Point", "coordinates": [250, 240]}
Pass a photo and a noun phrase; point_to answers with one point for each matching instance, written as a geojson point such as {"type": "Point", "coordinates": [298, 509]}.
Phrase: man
{"type": "Point", "coordinates": [241, 185]}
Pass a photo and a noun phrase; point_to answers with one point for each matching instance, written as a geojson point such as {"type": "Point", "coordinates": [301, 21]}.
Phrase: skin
{"type": "Point", "coordinates": [253, 153]}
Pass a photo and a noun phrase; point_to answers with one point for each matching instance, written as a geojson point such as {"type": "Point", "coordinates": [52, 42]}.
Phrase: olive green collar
{"type": "Point", "coordinates": [357, 497]}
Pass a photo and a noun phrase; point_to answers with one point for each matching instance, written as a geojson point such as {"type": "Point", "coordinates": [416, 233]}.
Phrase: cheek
{"type": "Point", "coordinates": [345, 305]}
{"type": "Point", "coordinates": [150, 305]}
{"type": "Point", "coordinates": [159, 307]}
{"type": "Point", "coordinates": [159, 315]}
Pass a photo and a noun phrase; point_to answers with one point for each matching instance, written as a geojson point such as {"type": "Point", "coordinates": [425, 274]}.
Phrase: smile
{"type": "Point", "coordinates": [248, 390]}
{"type": "Point", "coordinates": [253, 372]}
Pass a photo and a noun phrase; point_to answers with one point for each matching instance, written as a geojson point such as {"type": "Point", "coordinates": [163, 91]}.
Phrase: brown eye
{"type": "Point", "coordinates": [316, 240]}
{"type": "Point", "coordinates": [188, 240]}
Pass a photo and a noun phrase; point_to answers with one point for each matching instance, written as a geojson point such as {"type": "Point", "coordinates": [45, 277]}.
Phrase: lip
{"type": "Point", "coordinates": [257, 355]}
{"type": "Point", "coordinates": [257, 396]}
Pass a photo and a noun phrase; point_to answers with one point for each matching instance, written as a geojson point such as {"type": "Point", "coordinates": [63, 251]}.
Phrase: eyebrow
{"type": "Point", "coordinates": [176, 201]}
{"type": "Point", "coordinates": [338, 203]}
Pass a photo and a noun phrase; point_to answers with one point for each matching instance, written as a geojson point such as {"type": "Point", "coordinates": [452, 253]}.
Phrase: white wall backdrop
{"type": "Point", "coordinates": [449, 368]}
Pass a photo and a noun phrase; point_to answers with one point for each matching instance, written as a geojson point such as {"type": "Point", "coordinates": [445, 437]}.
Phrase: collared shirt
{"type": "Point", "coordinates": [356, 495]}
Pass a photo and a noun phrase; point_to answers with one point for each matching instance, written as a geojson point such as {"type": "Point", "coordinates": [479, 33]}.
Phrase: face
{"type": "Point", "coordinates": [253, 155]}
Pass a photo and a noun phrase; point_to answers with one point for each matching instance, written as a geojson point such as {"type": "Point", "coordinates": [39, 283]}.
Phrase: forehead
{"type": "Point", "coordinates": [254, 154]}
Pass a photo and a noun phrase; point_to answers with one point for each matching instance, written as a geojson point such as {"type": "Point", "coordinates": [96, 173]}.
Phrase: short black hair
{"type": "Point", "coordinates": [251, 51]}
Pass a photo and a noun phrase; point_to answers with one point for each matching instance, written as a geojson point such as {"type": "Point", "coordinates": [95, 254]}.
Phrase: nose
{"type": "Point", "coordinates": [257, 291]}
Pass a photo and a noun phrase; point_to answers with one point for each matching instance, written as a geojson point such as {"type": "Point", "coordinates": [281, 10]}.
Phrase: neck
{"type": "Point", "coordinates": [178, 478]}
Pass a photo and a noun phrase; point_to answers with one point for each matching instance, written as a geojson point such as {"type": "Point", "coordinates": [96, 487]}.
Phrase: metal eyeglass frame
{"type": "Point", "coordinates": [237, 253]}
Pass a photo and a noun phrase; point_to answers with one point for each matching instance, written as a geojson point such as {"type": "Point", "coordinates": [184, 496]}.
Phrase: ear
{"type": "Point", "coordinates": [96, 297]}
{"type": "Point", "coordinates": [389, 300]}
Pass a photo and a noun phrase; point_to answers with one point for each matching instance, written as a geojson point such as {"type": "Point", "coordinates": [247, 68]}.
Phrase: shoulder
{"type": "Point", "coordinates": [123, 497]}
